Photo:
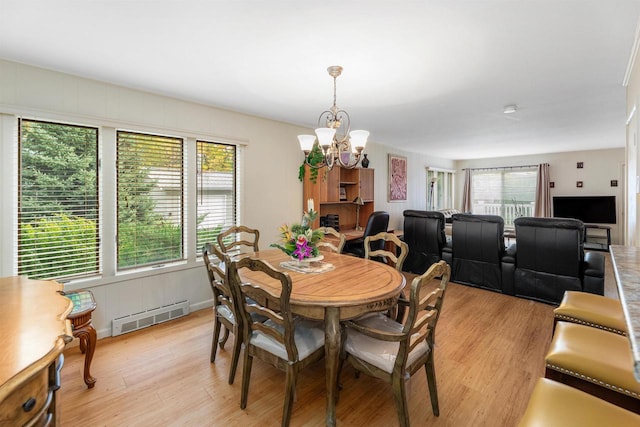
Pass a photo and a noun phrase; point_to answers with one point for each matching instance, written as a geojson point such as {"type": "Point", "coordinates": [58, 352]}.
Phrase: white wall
{"type": "Point", "coordinates": [600, 167]}
{"type": "Point", "coordinates": [271, 193]}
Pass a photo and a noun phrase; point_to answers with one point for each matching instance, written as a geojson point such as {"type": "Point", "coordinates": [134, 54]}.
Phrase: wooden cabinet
{"type": "Point", "coordinates": [34, 330]}
{"type": "Point", "coordinates": [334, 192]}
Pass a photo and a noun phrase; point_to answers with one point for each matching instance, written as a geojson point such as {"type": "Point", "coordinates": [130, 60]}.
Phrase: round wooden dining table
{"type": "Point", "coordinates": [355, 286]}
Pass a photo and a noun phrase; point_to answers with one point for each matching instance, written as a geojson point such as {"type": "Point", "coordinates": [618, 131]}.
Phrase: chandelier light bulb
{"type": "Point", "coordinates": [358, 138]}
{"type": "Point", "coordinates": [325, 137]}
{"type": "Point", "coordinates": [306, 142]}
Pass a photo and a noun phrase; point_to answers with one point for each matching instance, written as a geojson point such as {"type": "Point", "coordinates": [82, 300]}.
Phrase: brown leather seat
{"type": "Point", "coordinates": [556, 404]}
{"type": "Point", "coordinates": [591, 310]}
{"type": "Point", "coordinates": [595, 361]}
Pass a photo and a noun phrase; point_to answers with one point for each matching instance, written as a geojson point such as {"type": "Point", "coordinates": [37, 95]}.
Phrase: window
{"type": "Point", "coordinates": [58, 230]}
{"type": "Point", "coordinates": [507, 192]}
{"type": "Point", "coordinates": [150, 193]}
{"type": "Point", "coordinates": [216, 190]}
{"type": "Point", "coordinates": [440, 189]}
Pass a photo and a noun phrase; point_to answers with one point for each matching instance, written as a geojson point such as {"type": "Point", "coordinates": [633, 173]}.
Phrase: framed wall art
{"type": "Point", "coordinates": [397, 178]}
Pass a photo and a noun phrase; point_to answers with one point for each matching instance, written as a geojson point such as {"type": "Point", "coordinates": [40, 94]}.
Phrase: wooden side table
{"type": "Point", "coordinates": [80, 317]}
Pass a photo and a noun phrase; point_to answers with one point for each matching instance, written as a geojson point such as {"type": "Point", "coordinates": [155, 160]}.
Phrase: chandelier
{"type": "Point", "coordinates": [336, 143]}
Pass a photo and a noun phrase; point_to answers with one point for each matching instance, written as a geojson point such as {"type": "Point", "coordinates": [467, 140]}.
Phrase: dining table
{"type": "Point", "coordinates": [348, 288]}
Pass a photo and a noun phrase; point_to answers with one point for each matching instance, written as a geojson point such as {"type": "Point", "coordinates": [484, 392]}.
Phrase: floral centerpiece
{"type": "Point", "coordinates": [299, 240]}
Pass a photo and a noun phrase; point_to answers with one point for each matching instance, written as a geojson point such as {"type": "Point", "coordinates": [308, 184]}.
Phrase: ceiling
{"type": "Point", "coordinates": [425, 76]}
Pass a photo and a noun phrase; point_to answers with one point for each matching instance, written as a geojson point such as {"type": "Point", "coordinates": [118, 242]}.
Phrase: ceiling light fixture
{"type": "Point", "coordinates": [337, 143]}
{"type": "Point", "coordinates": [510, 109]}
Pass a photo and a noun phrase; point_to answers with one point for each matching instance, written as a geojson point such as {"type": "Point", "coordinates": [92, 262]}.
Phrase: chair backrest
{"type": "Point", "coordinates": [396, 255]}
{"type": "Point", "coordinates": [424, 312]}
{"type": "Point", "coordinates": [550, 245]}
{"type": "Point", "coordinates": [324, 243]}
{"type": "Point", "coordinates": [378, 221]}
{"type": "Point", "coordinates": [228, 239]}
{"type": "Point", "coordinates": [257, 300]}
{"type": "Point", "coordinates": [425, 235]}
{"type": "Point", "coordinates": [478, 247]}
{"type": "Point", "coordinates": [218, 281]}
{"type": "Point", "coordinates": [478, 237]}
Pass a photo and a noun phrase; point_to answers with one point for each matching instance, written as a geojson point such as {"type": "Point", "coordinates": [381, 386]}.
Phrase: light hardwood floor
{"type": "Point", "coordinates": [489, 352]}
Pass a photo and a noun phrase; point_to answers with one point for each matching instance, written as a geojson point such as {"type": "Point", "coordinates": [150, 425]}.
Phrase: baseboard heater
{"type": "Point", "coordinates": [133, 322]}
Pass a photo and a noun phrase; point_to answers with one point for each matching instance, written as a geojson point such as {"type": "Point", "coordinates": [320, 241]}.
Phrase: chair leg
{"type": "Point", "coordinates": [400, 398]}
{"type": "Point", "coordinates": [246, 378]}
{"type": "Point", "coordinates": [430, 369]}
{"type": "Point", "coordinates": [289, 394]}
{"type": "Point", "coordinates": [216, 334]}
{"type": "Point", "coordinates": [225, 337]}
{"type": "Point", "coordinates": [237, 345]}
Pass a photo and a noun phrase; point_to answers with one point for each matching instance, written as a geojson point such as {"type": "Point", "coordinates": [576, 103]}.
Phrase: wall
{"type": "Point", "coordinates": [416, 185]}
{"type": "Point", "coordinates": [632, 82]}
{"type": "Point", "coordinates": [600, 167]}
{"type": "Point", "coordinates": [271, 193]}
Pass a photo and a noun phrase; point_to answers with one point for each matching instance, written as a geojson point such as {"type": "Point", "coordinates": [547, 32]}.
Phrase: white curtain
{"type": "Point", "coordinates": [542, 206]}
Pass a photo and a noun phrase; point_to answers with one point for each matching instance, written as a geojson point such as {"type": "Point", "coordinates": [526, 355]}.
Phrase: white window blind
{"type": "Point", "coordinates": [216, 190]}
{"type": "Point", "coordinates": [150, 194]}
{"type": "Point", "coordinates": [58, 230]}
{"type": "Point", "coordinates": [507, 192]}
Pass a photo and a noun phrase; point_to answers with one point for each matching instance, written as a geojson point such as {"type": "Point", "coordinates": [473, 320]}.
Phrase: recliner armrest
{"type": "Point", "coordinates": [510, 254]}
{"type": "Point", "coordinates": [594, 264]}
{"type": "Point", "coordinates": [509, 269]}
{"type": "Point", "coordinates": [593, 281]}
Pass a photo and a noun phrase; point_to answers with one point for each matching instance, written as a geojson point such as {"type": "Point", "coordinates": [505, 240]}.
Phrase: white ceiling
{"type": "Point", "coordinates": [425, 76]}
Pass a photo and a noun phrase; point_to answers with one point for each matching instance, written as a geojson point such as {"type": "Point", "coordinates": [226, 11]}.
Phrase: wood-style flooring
{"type": "Point", "coordinates": [489, 352]}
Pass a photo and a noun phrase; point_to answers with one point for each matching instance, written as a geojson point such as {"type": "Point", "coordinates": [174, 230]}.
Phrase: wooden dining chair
{"type": "Point", "coordinates": [392, 351]}
{"type": "Point", "coordinates": [325, 243]}
{"type": "Point", "coordinates": [286, 343]}
{"type": "Point", "coordinates": [237, 237]}
{"type": "Point", "coordinates": [388, 248]}
{"type": "Point", "coordinates": [224, 310]}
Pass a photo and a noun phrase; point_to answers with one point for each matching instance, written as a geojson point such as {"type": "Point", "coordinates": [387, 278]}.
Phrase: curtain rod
{"type": "Point", "coordinates": [501, 167]}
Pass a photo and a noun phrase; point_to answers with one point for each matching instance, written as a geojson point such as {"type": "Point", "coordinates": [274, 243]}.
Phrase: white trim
{"type": "Point", "coordinates": [631, 114]}
{"type": "Point", "coordinates": [429, 168]}
{"type": "Point", "coordinates": [633, 56]}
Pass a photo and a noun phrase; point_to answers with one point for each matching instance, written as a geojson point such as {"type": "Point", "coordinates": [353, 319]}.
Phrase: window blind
{"type": "Point", "coordinates": [58, 230]}
{"type": "Point", "coordinates": [505, 192]}
{"type": "Point", "coordinates": [150, 195]}
{"type": "Point", "coordinates": [216, 190]}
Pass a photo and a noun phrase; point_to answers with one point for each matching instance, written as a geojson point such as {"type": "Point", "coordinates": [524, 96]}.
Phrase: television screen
{"type": "Point", "coordinates": [588, 209]}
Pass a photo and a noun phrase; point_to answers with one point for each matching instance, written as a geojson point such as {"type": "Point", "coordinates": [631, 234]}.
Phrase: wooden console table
{"type": "Point", "coordinates": [33, 332]}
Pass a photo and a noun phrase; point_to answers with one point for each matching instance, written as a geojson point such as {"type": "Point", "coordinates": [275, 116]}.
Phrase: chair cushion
{"type": "Point", "coordinates": [223, 311]}
{"type": "Point", "coordinates": [593, 355]}
{"type": "Point", "coordinates": [308, 336]}
{"type": "Point", "coordinates": [556, 404]}
{"type": "Point", "coordinates": [381, 354]}
{"type": "Point", "coordinates": [592, 310]}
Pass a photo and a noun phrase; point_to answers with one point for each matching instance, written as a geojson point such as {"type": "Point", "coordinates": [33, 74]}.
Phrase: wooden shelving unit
{"type": "Point", "coordinates": [327, 189]}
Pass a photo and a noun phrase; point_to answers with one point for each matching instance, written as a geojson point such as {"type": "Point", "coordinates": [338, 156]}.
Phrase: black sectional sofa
{"type": "Point", "coordinates": [547, 259]}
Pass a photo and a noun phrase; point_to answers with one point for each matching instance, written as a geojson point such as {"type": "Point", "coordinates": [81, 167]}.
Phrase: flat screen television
{"type": "Point", "coordinates": [588, 209]}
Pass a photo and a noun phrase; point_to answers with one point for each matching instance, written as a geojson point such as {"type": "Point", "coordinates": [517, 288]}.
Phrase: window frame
{"type": "Point", "coordinates": [448, 188]}
{"type": "Point", "coordinates": [97, 270]}
{"type": "Point", "coordinates": [107, 193]}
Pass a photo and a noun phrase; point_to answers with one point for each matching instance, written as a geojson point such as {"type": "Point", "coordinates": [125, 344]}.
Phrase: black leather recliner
{"type": "Point", "coordinates": [548, 259]}
{"type": "Point", "coordinates": [424, 234]}
{"type": "Point", "coordinates": [378, 221]}
{"type": "Point", "coordinates": [476, 249]}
